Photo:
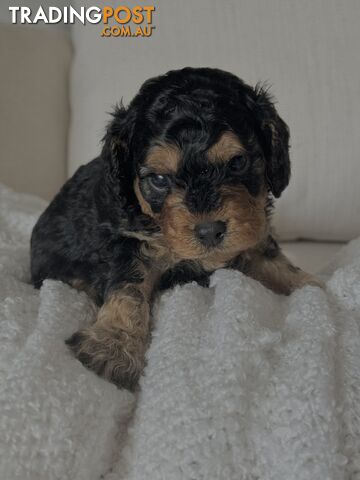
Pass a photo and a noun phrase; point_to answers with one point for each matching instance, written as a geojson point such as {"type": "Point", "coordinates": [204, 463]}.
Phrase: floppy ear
{"type": "Point", "coordinates": [116, 152]}
{"type": "Point", "coordinates": [275, 134]}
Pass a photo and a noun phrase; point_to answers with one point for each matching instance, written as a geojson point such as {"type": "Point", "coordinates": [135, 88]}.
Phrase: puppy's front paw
{"type": "Point", "coordinates": [111, 354]}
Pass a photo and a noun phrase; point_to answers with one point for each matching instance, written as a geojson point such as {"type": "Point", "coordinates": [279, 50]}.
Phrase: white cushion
{"type": "Point", "coordinates": [308, 51]}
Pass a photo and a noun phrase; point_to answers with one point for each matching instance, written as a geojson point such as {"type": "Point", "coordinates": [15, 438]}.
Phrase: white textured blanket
{"type": "Point", "coordinates": [240, 383]}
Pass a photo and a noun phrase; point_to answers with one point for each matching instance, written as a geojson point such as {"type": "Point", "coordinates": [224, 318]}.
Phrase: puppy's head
{"type": "Point", "coordinates": [200, 152]}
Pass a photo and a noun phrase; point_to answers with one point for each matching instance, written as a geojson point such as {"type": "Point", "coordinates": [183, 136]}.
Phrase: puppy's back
{"type": "Point", "coordinates": [55, 239]}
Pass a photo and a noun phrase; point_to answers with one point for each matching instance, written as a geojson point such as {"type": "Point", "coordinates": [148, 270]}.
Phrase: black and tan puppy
{"type": "Point", "coordinates": [183, 186]}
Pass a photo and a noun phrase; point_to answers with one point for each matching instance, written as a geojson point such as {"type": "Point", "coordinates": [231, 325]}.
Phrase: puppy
{"type": "Point", "coordinates": [184, 185]}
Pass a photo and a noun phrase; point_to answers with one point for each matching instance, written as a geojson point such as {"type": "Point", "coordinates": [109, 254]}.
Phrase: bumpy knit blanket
{"type": "Point", "coordinates": [240, 383]}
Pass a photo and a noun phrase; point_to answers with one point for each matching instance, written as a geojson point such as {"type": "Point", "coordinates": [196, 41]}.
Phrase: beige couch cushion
{"type": "Point", "coordinates": [309, 53]}
{"type": "Point", "coordinates": [312, 257]}
{"type": "Point", "coordinates": [34, 103]}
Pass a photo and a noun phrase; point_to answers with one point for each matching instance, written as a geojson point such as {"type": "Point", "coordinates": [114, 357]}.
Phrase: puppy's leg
{"type": "Point", "coordinates": [274, 270]}
{"type": "Point", "coordinates": [82, 286]}
{"type": "Point", "coordinates": [114, 346]}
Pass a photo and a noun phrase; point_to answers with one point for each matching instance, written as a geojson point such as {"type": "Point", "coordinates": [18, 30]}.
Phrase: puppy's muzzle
{"type": "Point", "coordinates": [211, 234]}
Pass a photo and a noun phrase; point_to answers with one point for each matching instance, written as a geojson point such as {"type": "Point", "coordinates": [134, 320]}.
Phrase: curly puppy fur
{"type": "Point", "coordinates": [184, 185]}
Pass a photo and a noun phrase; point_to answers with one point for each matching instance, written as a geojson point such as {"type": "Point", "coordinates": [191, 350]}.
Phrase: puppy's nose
{"type": "Point", "coordinates": [210, 234]}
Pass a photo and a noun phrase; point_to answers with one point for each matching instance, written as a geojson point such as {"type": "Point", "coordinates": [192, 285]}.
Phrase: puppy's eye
{"type": "Point", "coordinates": [159, 182]}
{"type": "Point", "coordinates": [238, 165]}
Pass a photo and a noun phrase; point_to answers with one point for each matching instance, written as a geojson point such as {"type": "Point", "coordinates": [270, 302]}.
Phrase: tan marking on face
{"type": "Point", "coordinates": [227, 147]}
{"type": "Point", "coordinates": [145, 207]}
{"type": "Point", "coordinates": [177, 224]}
{"type": "Point", "coordinates": [243, 214]}
{"type": "Point", "coordinates": [163, 159]}
{"type": "Point", "coordinates": [155, 245]}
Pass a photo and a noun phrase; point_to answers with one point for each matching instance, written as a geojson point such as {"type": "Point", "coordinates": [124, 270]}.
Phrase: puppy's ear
{"type": "Point", "coordinates": [275, 135]}
{"type": "Point", "coordinates": [116, 152]}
